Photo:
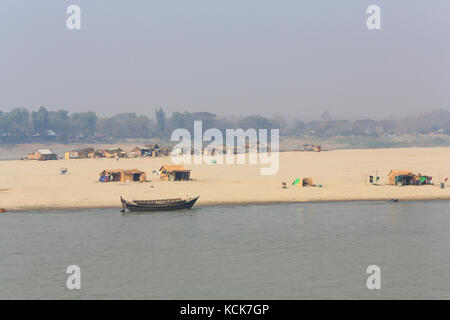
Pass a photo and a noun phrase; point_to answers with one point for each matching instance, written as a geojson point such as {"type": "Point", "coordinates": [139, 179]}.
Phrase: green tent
{"type": "Point", "coordinates": [296, 182]}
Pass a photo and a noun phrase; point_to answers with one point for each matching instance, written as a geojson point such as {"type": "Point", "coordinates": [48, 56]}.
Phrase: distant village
{"type": "Point", "coordinates": [149, 150]}
{"type": "Point", "coordinates": [21, 126]}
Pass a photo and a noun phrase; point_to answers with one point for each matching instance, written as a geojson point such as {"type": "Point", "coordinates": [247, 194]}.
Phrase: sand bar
{"type": "Point", "coordinates": [37, 185]}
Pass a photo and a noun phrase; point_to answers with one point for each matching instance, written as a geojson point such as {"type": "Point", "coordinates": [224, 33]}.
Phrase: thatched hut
{"type": "Point", "coordinates": [80, 154]}
{"type": "Point", "coordinates": [406, 177]}
{"type": "Point", "coordinates": [142, 151]}
{"type": "Point", "coordinates": [122, 175]}
{"type": "Point", "coordinates": [115, 152]}
{"type": "Point", "coordinates": [174, 173]}
{"type": "Point", "coordinates": [42, 155]}
{"type": "Point", "coordinates": [149, 150]}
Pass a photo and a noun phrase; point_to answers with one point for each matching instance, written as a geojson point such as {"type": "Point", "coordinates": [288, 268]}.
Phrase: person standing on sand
{"type": "Point", "coordinates": [117, 158]}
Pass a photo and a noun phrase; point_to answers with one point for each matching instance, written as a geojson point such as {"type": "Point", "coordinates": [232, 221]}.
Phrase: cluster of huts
{"type": "Point", "coordinates": [150, 150]}
{"type": "Point", "coordinates": [179, 173]}
{"type": "Point", "coordinates": [166, 172]}
{"type": "Point", "coordinates": [91, 153]}
{"type": "Point", "coordinates": [402, 178]}
{"type": "Point", "coordinates": [395, 178]}
{"type": "Point", "coordinates": [213, 150]}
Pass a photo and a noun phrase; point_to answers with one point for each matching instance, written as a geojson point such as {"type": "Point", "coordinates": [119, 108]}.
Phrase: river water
{"type": "Point", "coordinates": [282, 251]}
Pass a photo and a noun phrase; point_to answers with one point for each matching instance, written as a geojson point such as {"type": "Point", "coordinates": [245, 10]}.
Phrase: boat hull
{"type": "Point", "coordinates": [179, 205]}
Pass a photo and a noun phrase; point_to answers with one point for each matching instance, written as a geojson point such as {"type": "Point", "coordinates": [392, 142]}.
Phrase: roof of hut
{"type": "Point", "coordinates": [125, 171]}
{"type": "Point", "coordinates": [45, 151]}
{"type": "Point", "coordinates": [171, 168]}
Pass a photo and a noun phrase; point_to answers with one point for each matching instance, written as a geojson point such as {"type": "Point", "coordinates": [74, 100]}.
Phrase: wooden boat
{"type": "Point", "coordinates": [158, 205]}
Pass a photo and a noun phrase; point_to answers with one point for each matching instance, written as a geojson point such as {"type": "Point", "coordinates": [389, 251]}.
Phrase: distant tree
{"type": "Point", "coordinates": [83, 124]}
{"type": "Point", "coordinates": [255, 122]}
{"type": "Point", "coordinates": [19, 124]}
{"type": "Point", "coordinates": [160, 116]}
{"type": "Point", "coordinates": [39, 121]}
{"type": "Point", "coordinates": [4, 123]}
{"type": "Point", "coordinates": [279, 122]}
{"type": "Point", "coordinates": [325, 116]}
{"type": "Point", "coordinates": [207, 118]}
{"type": "Point", "coordinates": [178, 120]}
{"type": "Point", "coordinates": [59, 122]}
{"type": "Point", "coordinates": [299, 128]}
{"type": "Point", "coordinates": [125, 125]}
{"type": "Point", "coordinates": [186, 120]}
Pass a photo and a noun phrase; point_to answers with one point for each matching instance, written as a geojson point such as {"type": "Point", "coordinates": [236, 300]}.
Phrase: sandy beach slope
{"type": "Point", "coordinates": [32, 185]}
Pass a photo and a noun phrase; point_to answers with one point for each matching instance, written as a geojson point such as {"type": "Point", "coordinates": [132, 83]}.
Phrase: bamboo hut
{"type": "Point", "coordinates": [174, 173]}
{"type": "Point", "coordinates": [114, 153]}
{"type": "Point", "coordinates": [42, 155]}
{"type": "Point", "coordinates": [122, 175]}
{"type": "Point", "coordinates": [80, 154]}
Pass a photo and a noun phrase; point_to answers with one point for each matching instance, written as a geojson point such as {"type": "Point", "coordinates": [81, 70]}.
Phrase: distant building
{"type": "Point", "coordinates": [80, 154]}
{"type": "Point", "coordinates": [141, 152]}
{"type": "Point", "coordinates": [42, 154]}
{"type": "Point", "coordinates": [113, 153]}
{"type": "Point", "coordinates": [406, 177]}
{"type": "Point", "coordinates": [174, 173]}
{"type": "Point", "coordinates": [150, 150]}
{"type": "Point", "coordinates": [122, 175]}
{"type": "Point", "coordinates": [153, 146]}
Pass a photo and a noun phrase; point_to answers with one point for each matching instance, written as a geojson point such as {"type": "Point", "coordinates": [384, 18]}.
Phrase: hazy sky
{"type": "Point", "coordinates": [295, 58]}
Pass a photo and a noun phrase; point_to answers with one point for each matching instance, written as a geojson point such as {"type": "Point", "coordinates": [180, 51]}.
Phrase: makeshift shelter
{"type": "Point", "coordinates": [149, 150]}
{"type": "Point", "coordinates": [303, 182]}
{"type": "Point", "coordinates": [142, 151]}
{"type": "Point", "coordinates": [122, 175]}
{"type": "Point", "coordinates": [153, 146]}
{"type": "Point", "coordinates": [100, 154]}
{"type": "Point", "coordinates": [114, 153]}
{"type": "Point", "coordinates": [80, 154]}
{"type": "Point", "coordinates": [174, 173]}
{"type": "Point", "coordinates": [310, 147]}
{"type": "Point", "coordinates": [406, 177]}
{"type": "Point", "coordinates": [42, 154]}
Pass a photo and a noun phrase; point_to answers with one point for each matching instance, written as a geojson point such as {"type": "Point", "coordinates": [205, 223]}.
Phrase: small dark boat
{"type": "Point", "coordinates": [158, 205]}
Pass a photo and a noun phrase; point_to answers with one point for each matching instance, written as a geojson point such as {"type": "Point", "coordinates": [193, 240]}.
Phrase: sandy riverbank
{"type": "Point", "coordinates": [31, 185]}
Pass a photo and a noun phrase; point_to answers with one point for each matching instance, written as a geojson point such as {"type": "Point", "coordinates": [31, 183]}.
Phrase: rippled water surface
{"type": "Point", "coordinates": [288, 251]}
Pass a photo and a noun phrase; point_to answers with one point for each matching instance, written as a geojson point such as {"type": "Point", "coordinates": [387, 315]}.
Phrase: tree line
{"type": "Point", "coordinates": [20, 126]}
